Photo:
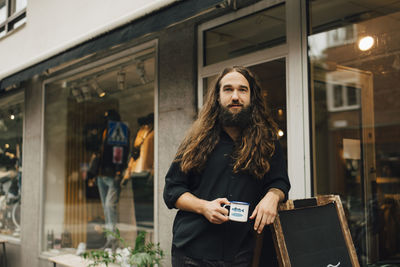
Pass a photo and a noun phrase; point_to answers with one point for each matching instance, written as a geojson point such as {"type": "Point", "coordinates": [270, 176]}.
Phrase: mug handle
{"type": "Point", "coordinates": [228, 207]}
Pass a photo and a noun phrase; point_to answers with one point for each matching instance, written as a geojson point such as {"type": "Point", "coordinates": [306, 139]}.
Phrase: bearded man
{"type": "Point", "coordinates": [231, 153]}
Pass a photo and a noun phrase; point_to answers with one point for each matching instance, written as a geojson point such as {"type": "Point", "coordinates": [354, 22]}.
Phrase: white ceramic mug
{"type": "Point", "coordinates": [238, 211]}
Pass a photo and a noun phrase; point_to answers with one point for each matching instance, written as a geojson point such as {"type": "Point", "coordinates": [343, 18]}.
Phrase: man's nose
{"type": "Point", "coordinates": [235, 95]}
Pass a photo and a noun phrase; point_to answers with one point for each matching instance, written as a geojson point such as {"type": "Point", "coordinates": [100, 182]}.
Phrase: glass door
{"type": "Point", "coordinates": [354, 57]}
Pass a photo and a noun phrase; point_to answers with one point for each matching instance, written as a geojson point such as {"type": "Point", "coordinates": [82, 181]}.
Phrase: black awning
{"type": "Point", "coordinates": [153, 22]}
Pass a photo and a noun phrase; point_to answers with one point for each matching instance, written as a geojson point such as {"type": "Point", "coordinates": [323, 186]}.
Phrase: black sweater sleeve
{"type": "Point", "coordinates": [176, 183]}
{"type": "Point", "coordinates": [277, 177]}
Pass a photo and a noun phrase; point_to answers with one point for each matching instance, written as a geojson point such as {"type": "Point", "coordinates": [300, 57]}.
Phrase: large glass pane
{"type": "Point", "coordinates": [272, 77]}
{"type": "Point", "coordinates": [18, 23]}
{"type": "Point", "coordinates": [2, 31]}
{"type": "Point", "coordinates": [11, 124]}
{"type": "Point", "coordinates": [354, 55]}
{"type": "Point", "coordinates": [88, 150]}
{"type": "Point", "coordinates": [3, 11]}
{"type": "Point", "coordinates": [257, 31]}
{"type": "Point", "coordinates": [20, 5]}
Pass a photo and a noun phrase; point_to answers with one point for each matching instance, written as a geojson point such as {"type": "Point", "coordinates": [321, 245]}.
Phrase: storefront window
{"type": "Point", "coordinates": [257, 31]}
{"type": "Point", "coordinates": [11, 127]}
{"type": "Point", "coordinates": [99, 154]}
{"type": "Point", "coordinates": [354, 56]}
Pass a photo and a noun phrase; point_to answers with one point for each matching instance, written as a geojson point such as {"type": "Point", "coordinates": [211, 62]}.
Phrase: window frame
{"type": "Point", "coordinates": [8, 25]}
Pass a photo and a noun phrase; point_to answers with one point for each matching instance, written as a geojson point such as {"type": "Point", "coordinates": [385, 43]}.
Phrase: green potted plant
{"type": "Point", "coordinates": [142, 255]}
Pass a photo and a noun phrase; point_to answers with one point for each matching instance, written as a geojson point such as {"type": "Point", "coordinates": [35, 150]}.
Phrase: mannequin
{"type": "Point", "coordinates": [112, 161]}
{"type": "Point", "coordinates": [141, 170]}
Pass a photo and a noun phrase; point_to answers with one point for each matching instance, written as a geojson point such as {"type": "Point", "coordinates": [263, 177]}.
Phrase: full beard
{"type": "Point", "coordinates": [240, 119]}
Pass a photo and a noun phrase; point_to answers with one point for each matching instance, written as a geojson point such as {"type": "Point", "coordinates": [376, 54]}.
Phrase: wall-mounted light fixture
{"type": "Point", "coordinates": [121, 79]}
{"type": "Point", "coordinates": [366, 43]}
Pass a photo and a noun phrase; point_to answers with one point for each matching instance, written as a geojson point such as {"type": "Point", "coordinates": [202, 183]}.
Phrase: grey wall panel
{"type": "Point", "coordinates": [177, 110]}
{"type": "Point", "coordinates": [31, 182]}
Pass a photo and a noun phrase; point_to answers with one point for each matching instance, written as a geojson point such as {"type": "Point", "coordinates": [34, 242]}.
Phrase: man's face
{"type": "Point", "coordinates": [234, 92]}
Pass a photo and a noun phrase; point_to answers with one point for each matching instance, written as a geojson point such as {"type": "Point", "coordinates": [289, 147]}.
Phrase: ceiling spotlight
{"type": "Point", "coordinates": [64, 84]}
{"type": "Point", "coordinates": [86, 92]}
{"type": "Point", "coordinates": [12, 115]}
{"type": "Point", "coordinates": [396, 63]}
{"type": "Point", "coordinates": [76, 93]}
{"type": "Point", "coordinates": [141, 72]}
{"type": "Point", "coordinates": [366, 43]}
{"type": "Point", "coordinates": [121, 79]}
{"type": "Point", "coordinates": [97, 88]}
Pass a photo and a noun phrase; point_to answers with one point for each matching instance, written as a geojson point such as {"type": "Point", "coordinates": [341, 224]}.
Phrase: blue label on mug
{"type": "Point", "coordinates": [235, 214]}
{"type": "Point", "coordinates": [237, 209]}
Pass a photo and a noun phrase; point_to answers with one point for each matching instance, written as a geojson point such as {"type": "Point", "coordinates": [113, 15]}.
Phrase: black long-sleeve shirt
{"type": "Point", "coordinates": [192, 232]}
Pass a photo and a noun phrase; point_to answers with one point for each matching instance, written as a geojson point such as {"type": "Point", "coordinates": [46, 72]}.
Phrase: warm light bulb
{"type": "Point", "coordinates": [280, 133]}
{"type": "Point", "coordinates": [102, 94]}
{"type": "Point", "coordinates": [12, 116]}
{"type": "Point", "coordinates": [366, 43]}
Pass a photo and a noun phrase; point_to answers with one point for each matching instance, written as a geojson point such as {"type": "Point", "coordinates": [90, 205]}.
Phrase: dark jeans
{"type": "Point", "coordinates": [179, 259]}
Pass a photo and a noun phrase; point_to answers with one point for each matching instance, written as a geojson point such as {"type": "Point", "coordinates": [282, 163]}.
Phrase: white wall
{"type": "Point", "coordinates": [53, 26]}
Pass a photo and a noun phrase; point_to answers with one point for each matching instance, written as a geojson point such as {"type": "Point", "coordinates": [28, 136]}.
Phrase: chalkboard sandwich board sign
{"type": "Point", "coordinates": [313, 232]}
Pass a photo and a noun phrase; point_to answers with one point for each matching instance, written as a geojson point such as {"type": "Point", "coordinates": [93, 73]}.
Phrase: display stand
{"type": "Point", "coordinates": [313, 232]}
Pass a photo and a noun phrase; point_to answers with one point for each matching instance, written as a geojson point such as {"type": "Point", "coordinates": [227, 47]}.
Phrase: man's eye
{"type": "Point", "coordinates": [227, 89]}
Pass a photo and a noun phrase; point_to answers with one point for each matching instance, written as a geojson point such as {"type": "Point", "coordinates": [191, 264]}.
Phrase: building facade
{"type": "Point", "coordinates": [329, 71]}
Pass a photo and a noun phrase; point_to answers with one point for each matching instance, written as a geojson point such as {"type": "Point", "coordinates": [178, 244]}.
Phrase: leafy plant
{"type": "Point", "coordinates": [143, 255]}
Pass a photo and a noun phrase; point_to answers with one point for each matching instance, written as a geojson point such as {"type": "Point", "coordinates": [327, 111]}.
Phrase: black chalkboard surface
{"type": "Point", "coordinates": [314, 233]}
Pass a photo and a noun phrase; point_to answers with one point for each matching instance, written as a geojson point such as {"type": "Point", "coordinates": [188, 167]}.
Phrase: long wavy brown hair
{"type": "Point", "coordinates": [256, 145]}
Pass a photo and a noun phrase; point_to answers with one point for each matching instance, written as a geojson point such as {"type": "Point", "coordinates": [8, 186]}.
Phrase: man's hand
{"type": "Point", "coordinates": [266, 210]}
{"type": "Point", "coordinates": [211, 210]}
{"type": "Point", "coordinates": [214, 212]}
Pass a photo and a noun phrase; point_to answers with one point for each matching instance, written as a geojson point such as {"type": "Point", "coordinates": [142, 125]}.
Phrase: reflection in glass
{"type": "Point", "coordinates": [2, 32]}
{"type": "Point", "coordinates": [3, 11]}
{"type": "Point", "coordinates": [11, 124]}
{"type": "Point", "coordinates": [19, 23]}
{"type": "Point", "coordinates": [20, 5]}
{"type": "Point", "coordinates": [255, 32]}
{"type": "Point", "coordinates": [356, 119]}
{"type": "Point", "coordinates": [337, 89]}
{"type": "Point", "coordinates": [99, 154]}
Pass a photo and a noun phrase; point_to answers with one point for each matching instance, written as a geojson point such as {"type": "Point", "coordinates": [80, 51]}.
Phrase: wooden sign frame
{"type": "Point", "coordinates": [279, 238]}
